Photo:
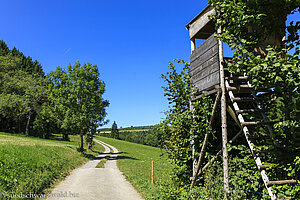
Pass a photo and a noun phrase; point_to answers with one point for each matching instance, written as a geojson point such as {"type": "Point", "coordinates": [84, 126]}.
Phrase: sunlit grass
{"type": "Point", "coordinates": [135, 161]}
{"type": "Point", "coordinates": [35, 165]}
{"type": "Point", "coordinates": [102, 162]}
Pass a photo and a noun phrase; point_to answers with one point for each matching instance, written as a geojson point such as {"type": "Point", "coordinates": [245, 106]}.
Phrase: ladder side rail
{"type": "Point", "coordinates": [251, 146]}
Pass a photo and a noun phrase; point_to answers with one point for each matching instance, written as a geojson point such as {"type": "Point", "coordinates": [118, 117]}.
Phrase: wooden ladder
{"type": "Point", "coordinates": [242, 86]}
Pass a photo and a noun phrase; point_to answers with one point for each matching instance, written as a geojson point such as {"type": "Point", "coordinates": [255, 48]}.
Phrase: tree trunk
{"type": "Point", "coordinates": [66, 137]}
{"type": "Point", "coordinates": [81, 140]}
{"type": "Point", "coordinates": [19, 123]}
{"type": "Point", "coordinates": [27, 125]}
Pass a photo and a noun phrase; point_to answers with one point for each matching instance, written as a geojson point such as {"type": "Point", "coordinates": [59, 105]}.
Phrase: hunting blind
{"type": "Point", "coordinates": [208, 76]}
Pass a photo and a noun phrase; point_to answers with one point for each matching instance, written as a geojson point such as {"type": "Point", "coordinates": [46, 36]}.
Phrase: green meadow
{"type": "Point", "coordinates": [33, 165]}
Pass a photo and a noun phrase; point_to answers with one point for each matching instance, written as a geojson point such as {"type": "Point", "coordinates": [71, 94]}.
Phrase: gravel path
{"type": "Point", "coordinates": [90, 183]}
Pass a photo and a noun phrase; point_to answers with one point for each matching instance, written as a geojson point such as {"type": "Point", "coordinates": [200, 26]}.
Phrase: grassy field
{"type": "Point", "coordinates": [34, 165]}
{"type": "Point", "coordinates": [135, 161]}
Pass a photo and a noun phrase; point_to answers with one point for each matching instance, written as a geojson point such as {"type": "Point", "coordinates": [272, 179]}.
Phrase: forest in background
{"type": "Point", "coordinates": [66, 101]}
{"type": "Point", "coordinates": [146, 135]}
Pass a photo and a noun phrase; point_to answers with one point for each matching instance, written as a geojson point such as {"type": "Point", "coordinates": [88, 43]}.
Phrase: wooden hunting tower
{"type": "Point", "coordinates": [205, 68]}
{"type": "Point", "coordinates": [208, 76]}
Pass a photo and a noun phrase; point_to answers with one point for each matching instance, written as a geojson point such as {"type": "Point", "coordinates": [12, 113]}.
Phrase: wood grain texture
{"type": "Point", "coordinates": [209, 81]}
{"type": "Point", "coordinates": [205, 65]}
{"type": "Point", "coordinates": [205, 46]}
{"type": "Point", "coordinates": [205, 72]}
{"type": "Point", "coordinates": [200, 23]}
{"type": "Point", "coordinates": [204, 61]}
{"type": "Point", "coordinates": [269, 183]}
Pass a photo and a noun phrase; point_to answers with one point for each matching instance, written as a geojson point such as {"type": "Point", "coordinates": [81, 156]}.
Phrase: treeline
{"type": "Point", "coordinates": [22, 90]}
{"type": "Point", "coordinates": [128, 128]}
{"type": "Point", "coordinates": [65, 101]}
{"type": "Point", "coordinates": [137, 128]}
{"type": "Point", "coordinates": [152, 136]}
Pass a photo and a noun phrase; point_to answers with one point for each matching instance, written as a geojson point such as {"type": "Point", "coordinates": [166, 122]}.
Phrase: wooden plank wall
{"type": "Point", "coordinates": [205, 65]}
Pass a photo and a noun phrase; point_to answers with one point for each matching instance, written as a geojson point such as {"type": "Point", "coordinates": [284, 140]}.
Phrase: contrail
{"type": "Point", "coordinates": [67, 51]}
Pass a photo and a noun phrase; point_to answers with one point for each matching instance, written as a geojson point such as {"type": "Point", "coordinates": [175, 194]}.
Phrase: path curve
{"type": "Point", "coordinates": [90, 183]}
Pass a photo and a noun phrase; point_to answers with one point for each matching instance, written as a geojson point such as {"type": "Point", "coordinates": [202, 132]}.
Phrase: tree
{"type": "Point", "coordinates": [22, 90]}
{"type": "Point", "coordinates": [247, 27]}
{"type": "Point", "coordinates": [262, 42]}
{"type": "Point", "coordinates": [26, 63]}
{"type": "Point", "coordinates": [21, 93]}
{"type": "Point", "coordinates": [77, 93]}
{"type": "Point", "coordinates": [115, 131]}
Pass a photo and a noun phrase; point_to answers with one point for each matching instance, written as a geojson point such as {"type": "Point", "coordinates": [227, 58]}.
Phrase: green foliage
{"type": "Point", "coordinates": [114, 131]}
{"type": "Point", "coordinates": [25, 63]}
{"type": "Point", "coordinates": [155, 137]}
{"type": "Point", "coordinates": [138, 137]}
{"type": "Point", "coordinates": [178, 90]}
{"type": "Point", "coordinates": [67, 101]}
{"type": "Point", "coordinates": [184, 128]}
{"type": "Point", "coordinates": [147, 135]}
{"type": "Point", "coordinates": [182, 124]}
{"type": "Point", "coordinates": [22, 90]}
{"type": "Point", "coordinates": [77, 95]}
{"type": "Point", "coordinates": [177, 126]}
{"type": "Point", "coordinates": [254, 31]}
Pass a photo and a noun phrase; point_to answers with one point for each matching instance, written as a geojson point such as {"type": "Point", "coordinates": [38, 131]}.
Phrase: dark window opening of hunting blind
{"type": "Point", "coordinates": [204, 58]}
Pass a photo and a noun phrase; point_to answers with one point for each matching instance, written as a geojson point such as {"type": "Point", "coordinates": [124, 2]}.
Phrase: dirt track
{"type": "Point", "coordinates": [90, 183]}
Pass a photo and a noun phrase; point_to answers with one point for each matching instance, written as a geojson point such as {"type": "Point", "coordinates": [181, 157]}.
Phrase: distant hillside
{"type": "Point", "coordinates": [147, 135]}
{"type": "Point", "coordinates": [131, 128]}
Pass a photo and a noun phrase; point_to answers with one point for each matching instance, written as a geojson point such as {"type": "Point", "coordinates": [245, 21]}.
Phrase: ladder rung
{"type": "Point", "coordinates": [243, 99]}
{"type": "Point", "coordinates": [250, 111]}
{"type": "Point", "coordinates": [240, 85]}
{"type": "Point", "coordinates": [240, 89]}
{"type": "Point", "coordinates": [245, 89]}
{"type": "Point", "coordinates": [265, 166]}
{"type": "Point", "coordinates": [269, 183]}
{"type": "Point", "coordinates": [236, 78]}
{"type": "Point", "coordinates": [257, 123]}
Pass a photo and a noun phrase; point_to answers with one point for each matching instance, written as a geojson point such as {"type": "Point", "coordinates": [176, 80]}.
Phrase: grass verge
{"type": "Point", "coordinates": [103, 161]}
{"type": "Point", "coordinates": [135, 161]}
{"type": "Point", "coordinates": [34, 165]}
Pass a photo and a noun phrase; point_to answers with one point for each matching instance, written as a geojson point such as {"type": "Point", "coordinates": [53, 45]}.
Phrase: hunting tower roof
{"type": "Point", "coordinates": [201, 27]}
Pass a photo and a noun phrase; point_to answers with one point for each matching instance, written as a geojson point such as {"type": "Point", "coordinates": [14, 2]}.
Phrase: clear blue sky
{"type": "Point", "coordinates": [130, 41]}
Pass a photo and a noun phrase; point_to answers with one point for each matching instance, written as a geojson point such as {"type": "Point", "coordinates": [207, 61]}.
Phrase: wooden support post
{"type": "Point", "coordinates": [198, 165]}
{"type": "Point", "coordinates": [193, 45]}
{"type": "Point", "coordinates": [193, 144]}
{"type": "Point", "coordinates": [224, 119]}
{"type": "Point", "coordinates": [194, 164]}
{"type": "Point", "coordinates": [152, 172]}
{"type": "Point", "coordinates": [219, 152]}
